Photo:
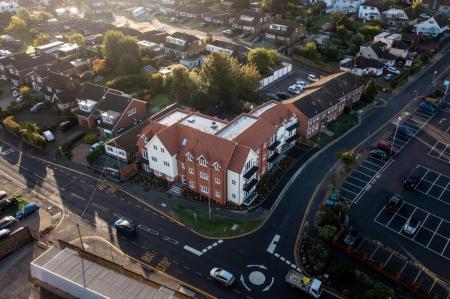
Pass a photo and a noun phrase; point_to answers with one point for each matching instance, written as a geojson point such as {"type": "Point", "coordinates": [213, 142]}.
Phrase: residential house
{"type": "Point", "coordinates": [88, 98]}
{"type": "Point", "coordinates": [371, 10]}
{"type": "Point", "coordinates": [323, 102]}
{"type": "Point", "coordinates": [191, 12]}
{"type": "Point", "coordinates": [379, 51]}
{"type": "Point", "coordinates": [342, 6]}
{"type": "Point", "coordinates": [442, 6]}
{"type": "Point", "coordinates": [399, 18]}
{"type": "Point", "coordinates": [119, 112]}
{"type": "Point", "coordinates": [96, 8]}
{"type": "Point", "coordinates": [9, 6]}
{"type": "Point", "coordinates": [432, 26]}
{"type": "Point", "coordinates": [218, 18]}
{"type": "Point", "coordinates": [361, 66]}
{"type": "Point", "coordinates": [234, 50]}
{"type": "Point", "coordinates": [394, 43]}
{"type": "Point", "coordinates": [169, 7]}
{"type": "Point", "coordinates": [284, 32]}
{"type": "Point", "coordinates": [18, 69]}
{"type": "Point", "coordinates": [218, 159]}
{"type": "Point", "coordinates": [250, 21]}
{"type": "Point", "coordinates": [66, 99]}
{"type": "Point", "coordinates": [120, 162]}
{"type": "Point", "coordinates": [187, 47]}
{"type": "Point", "coordinates": [9, 59]}
{"type": "Point", "coordinates": [37, 77]}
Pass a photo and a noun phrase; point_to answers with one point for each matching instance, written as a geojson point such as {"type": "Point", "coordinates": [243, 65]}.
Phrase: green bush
{"type": "Point", "coordinates": [128, 83]}
{"type": "Point", "coordinates": [92, 156]}
{"type": "Point", "coordinates": [328, 231]}
{"type": "Point", "coordinates": [341, 271]}
{"type": "Point", "coordinates": [90, 138]}
{"type": "Point", "coordinates": [317, 255]}
{"type": "Point", "coordinates": [416, 66]}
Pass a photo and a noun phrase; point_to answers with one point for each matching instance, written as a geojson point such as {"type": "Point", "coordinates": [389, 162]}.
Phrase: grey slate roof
{"type": "Point", "coordinates": [325, 93]}
{"type": "Point", "coordinates": [128, 139]}
{"type": "Point", "coordinates": [114, 102]}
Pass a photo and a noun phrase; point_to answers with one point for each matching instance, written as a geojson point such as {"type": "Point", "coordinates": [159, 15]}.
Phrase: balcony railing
{"type": "Point", "coordinates": [292, 138]}
{"type": "Point", "coordinates": [273, 157]}
{"type": "Point", "coordinates": [274, 145]}
{"type": "Point", "coordinates": [292, 127]}
{"type": "Point", "coordinates": [250, 185]}
{"type": "Point", "coordinates": [251, 172]}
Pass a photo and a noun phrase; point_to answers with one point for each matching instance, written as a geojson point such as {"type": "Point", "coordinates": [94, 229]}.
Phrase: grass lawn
{"type": "Point", "coordinates": [12, 211]}
{"type": "Point", "coordinates": [159, 101]}
{"type": "Point", "coordinates": [214, 227]}
{"type": "Point", "coordinates": [323, 19]}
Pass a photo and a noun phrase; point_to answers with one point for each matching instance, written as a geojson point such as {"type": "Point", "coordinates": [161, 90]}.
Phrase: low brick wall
{"type": "Point", "coordinates": [19, 238]}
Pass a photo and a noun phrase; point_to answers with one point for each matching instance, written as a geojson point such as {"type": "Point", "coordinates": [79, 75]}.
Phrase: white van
{"type": "Point", "coordinates": [49, 136]}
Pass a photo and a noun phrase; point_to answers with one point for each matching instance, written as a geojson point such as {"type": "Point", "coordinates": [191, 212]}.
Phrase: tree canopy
{"type": "Point", "coordinates": [77, 38]}
{"type": "Point", "coordinates": [263, 59]}
{"type": "Point", "coordinates": [115, 45]}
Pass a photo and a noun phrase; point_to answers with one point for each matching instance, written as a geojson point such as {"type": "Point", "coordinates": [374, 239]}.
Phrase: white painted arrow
{"type": "Point", "coordinates": [259, 266]}
{"type": "Point", "coordinates": [243, 282]}
{"type": "Point", "coordinates": [269, 286]}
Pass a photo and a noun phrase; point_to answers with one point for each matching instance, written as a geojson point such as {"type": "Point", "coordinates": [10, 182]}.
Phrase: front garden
{"type": "Point", "coordinates": [13, 210]}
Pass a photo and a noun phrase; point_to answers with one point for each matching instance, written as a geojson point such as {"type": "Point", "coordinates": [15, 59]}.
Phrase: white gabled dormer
{"type": "Point", "coordinates": [236, 182]}
{"type": "Point", "coordinates": [161, 162]}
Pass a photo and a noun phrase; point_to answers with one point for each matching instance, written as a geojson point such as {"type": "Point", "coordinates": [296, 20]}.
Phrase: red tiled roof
{"type": "Point", "coordinates": [275, 115]}
{"type": "Point", "coordinates": [238, 158]}
{"type": "Point", "coordinates": [148, 132]}
{"type": "Point", "coordinates": [256, 134]}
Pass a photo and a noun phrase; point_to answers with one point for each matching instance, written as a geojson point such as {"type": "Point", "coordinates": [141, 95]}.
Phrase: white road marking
{"type": "Point", "coordinates": [78, 196]}
{"type": "Point", "coordinates": [149, 230]}
{"type": "Point", "coordinates": [99, 206]}
{"type": "Point", "coordinates": [192, 250]}
{"type": "Point", "coordinates": [36, 175]}
{"type": "Point", "coordinates": [170, 240]}
{"type": "Point", "coordinates": [272, 245]}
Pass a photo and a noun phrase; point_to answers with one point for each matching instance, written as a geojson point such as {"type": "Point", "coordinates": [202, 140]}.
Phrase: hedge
{"type": "Point", "coordinates": [399, 79]}
{"type": "Point", "coordinates": [92, 156]}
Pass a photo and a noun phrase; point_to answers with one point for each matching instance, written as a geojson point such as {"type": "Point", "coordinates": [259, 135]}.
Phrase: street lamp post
{"type": "Point", "coordinates": [395, 136]}
{"type": "Point", "coordinates": [434, 76]}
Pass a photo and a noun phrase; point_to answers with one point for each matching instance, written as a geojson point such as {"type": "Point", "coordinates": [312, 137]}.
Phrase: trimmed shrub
{"type": "Point", "coordinates": [90, 138]}
{"type": "Point", "coordinates": [92, 156]}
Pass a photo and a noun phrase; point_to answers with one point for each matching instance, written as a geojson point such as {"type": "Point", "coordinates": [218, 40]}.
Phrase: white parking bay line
{"type": "Point", "coordinates": [192, 250]}
{"type": "Point", "coordinates": [170, 240]}
{"type": "Point", "coordinates": [78, 196]}
{"type": "Point", "coordinates": [348, 190]}
{"type": "Point", "coordinates": [99, 206]}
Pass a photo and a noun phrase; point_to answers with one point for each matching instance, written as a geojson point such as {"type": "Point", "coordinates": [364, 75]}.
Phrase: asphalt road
{"type": "Point", "coordinates": [162, 242]}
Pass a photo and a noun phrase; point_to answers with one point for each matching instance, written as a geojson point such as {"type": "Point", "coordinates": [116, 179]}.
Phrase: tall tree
{"type": "Point", "coordinates": [111, 42]}
{"type": "Point", "coordinates": [41, 39]}
{"type": "Point", "coordinates": [116, 44]}
{"type": "Point", "coordinates": [416, 5]}
{"type": "Point", "coordinates": [275, 6]}
{"type": "Point", "coordinates": [128, 64]}
{"type": "Point", "coordinates": [17, 25]}
{"type": "Point", "coordinates": [77, 38]}
{"type": "Point", "coordinates": [263, 59]}
{"type": "Point", "coordinates": [180, 84]}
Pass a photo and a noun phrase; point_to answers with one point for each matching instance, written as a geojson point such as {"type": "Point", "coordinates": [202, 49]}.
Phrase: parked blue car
{"type": "Point", "coordinates": [427, 107]}
{"type": "Point", "coordinates": [27, 210]}
{"type": "Point", "coordinates": [125, 226]}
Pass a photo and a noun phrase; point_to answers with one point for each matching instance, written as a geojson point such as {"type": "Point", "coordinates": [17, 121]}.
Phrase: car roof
{"type": "Point", "coordinates": [225, 274]}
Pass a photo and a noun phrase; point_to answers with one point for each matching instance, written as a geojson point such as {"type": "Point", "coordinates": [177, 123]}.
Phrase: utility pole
{"type": "Point", "coordinates": [395, 136]}
{"type": "Point", "coordinates": [79, 235]}
{"type": "Point", "coordinates": [434, 76]}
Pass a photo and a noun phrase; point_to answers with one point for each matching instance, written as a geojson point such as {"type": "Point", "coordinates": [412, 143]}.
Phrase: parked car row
{"type": "Point", "coordinates": [16, 94]}
{"type": "Point", "coordinates": [300, 85]}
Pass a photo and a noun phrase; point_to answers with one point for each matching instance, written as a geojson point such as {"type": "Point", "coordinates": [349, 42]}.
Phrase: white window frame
{"type": "Point", "coordinates": [191, 170]}
{"type": "Point", "coordinates": [204, 175]}
{"type": "Point", "coordinates": [217, 180]}
{"type": "Point", "coordinates": [204, 189]}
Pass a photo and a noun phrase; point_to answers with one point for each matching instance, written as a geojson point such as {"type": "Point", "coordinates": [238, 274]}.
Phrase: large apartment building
{"type": "Point", "coordinates": [219, 159]}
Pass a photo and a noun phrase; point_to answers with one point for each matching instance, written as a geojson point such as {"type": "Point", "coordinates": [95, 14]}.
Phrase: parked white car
{"type": "Point", "coordinates": [295, 89]}
{"type": "Point", "coordinates": [393, 70]}
{"type": "Point", "coordinates": [16, 93]}
{"type": "Point", "coordinates": [301, 83]}
{"type": "Point", "coordinates": [312, 77]}
{"type": "Point", "coordinates": [48, 135]}
{"type": "Point", "coordinates": [19, 99]}
{"type": "Point", "coordinates": [411, 226]}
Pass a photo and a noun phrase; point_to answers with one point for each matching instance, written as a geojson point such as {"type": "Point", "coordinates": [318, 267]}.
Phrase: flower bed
{"type": "Point", "coordinates": [151, 181]}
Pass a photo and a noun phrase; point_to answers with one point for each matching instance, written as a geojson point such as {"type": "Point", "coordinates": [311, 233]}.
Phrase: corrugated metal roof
{"type": "Point", "coordinates": [97, 278]}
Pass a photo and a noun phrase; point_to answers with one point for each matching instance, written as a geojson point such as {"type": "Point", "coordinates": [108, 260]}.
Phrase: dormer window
{"type": "Point", "coordinates": [189, 157]}
{"type": "Point", "coordinates": [217, 166]}
{"type": "Point", "coordinates": [202, 161]}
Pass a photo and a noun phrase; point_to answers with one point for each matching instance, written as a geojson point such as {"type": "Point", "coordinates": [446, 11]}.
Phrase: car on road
{"type": "Point", "coordinates": [27, 210]}
{"type": "Point", "coordinates": [427, 107]}
{"type": "Point", "coordinates": [4, 233]}
{"type": "Point", "coordinates": [379, 154]}
{"type": "Point", "coordinates": [411, 226]}
{"type": "Point", "coordinates": [272, 96]}
{"type": "Point", "coordinates": [389, 77]}
{"type": "Point", "coordinates": [283, 49]}
{"type": "Point", "coordinates": [125, 226]}
{"type": "Point", "coordinates": [38, 106]}
{"type": "Point", "coordinates": [8, 203]}
{"type": "Point", "coordinates": [257, 39]}
{"type": "Point", "coordinates": [312, 77]}
{"type": "Point", "coordinates": [7, 222]}
{"type": "Point", "coordinates": [66, 125]}
{"type": "Point", "coordinates": [414, 178]}
{"type": "Point", "coordinates": [405, 131]}
{"type": "Point", "coordinates": [387, 147]}
{"type": "Point", "coordinates": [48, 135]}
{"type": "Point", "coordinates": [222, 276]}
{"type": "Point", "coordinates": [393, 70]}
{"type": "Point", "coordinates": [227, 32]}
{"type": "Point", "coordinates": [394, 203]}
{"type": "Point", "coordinates": [3, 194]}
{"type": "Point", "coordinates": [295, 89]}
{"type": "Point", "coordinates": [283, 95]}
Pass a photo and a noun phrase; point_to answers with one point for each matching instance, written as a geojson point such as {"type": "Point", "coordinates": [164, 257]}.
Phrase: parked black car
{"type": "Point", "coordinates": [405, 131]}
{"type": "Point", "coordinates": [66, 125]}
{"type": "Point", "coordinates": [8, 203]}
{"type": "Point", "coordinates": [413, 178]}
{"type": "Point", "coordinates": [394, 202]}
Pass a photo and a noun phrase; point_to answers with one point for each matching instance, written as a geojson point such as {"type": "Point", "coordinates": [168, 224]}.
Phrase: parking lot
{"type": "Point", "coordinates": [373, 182]}
{"type": "Point", "coordinates": [370, 170]}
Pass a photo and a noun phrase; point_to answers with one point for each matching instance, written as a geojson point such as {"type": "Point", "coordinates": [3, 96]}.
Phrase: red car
{"type": "Point", "coordinates": [387, 147]}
